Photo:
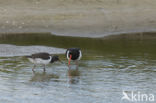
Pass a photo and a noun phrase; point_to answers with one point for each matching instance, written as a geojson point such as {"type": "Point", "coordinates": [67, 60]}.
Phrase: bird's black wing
{"type": "Point", "coordinates": [41, 55]}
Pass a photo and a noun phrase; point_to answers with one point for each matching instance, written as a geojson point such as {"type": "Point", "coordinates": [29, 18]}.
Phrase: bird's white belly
{"type": "Point", "coordinates": [39, 61]}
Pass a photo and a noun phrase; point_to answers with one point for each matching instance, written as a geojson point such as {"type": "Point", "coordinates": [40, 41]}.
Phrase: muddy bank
{"type": "Point", "coordinates": [84, 18]}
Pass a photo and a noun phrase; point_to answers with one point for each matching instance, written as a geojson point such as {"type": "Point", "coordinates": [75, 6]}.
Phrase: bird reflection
{"type": "Point", "coordinates": [74, 76]}
{"type": "Point", "coordinates": [42, 77]}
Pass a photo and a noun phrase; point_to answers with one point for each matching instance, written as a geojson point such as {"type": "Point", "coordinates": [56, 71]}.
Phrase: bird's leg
{"type": "Point", "coordinates": [44, 68]}
{"type": "Point", "coordinates": [77, 64]}
{"type": "Point", "coordinates": [69, 67]}
{"type": "Point", "coordinates": [33, 68]}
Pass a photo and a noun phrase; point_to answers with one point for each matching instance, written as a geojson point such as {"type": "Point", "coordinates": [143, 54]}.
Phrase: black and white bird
{"type": "Point", "coordinates": [42, 59]}
{"type": "Point", "coordinates": [74, 54]}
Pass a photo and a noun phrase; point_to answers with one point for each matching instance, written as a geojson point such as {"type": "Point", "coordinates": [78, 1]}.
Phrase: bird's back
{"type": "Point", "coordinates": [41, 55]}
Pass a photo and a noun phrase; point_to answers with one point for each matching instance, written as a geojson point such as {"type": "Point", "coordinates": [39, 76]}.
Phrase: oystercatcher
{"type": "Point", "coordinates": [43, 59]}
{"type": "Point", "coordinates": [74, 54]}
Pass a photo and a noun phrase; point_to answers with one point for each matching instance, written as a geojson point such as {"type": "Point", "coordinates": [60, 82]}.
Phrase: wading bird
{"type": "Point", "coordinates": [42, 59]}
{"type": "Point", "coordinates": [74, 54]}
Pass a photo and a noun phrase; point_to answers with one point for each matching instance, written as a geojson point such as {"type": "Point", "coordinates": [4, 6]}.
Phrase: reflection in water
{"type": "Point", "coordinates": [74, 76]}
{"type": "Point", "coordinates": [42, 77]}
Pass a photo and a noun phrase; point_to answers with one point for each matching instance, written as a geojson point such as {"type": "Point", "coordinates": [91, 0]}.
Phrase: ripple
{"type": "Point", "coordinates": [95, 81]}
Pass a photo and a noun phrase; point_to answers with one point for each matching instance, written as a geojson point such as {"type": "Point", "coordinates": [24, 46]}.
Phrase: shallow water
{"type": "Point", "coordinates": [108, 68]}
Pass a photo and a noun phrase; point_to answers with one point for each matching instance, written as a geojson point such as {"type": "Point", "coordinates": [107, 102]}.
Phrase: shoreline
{"type": "Point", "coordinates": [84, 18]}
{"type": "Point", "coordinates": [149, 34]}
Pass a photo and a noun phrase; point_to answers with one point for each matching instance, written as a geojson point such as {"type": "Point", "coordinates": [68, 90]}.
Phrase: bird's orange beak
{"type": "Point", "coordinates": [69, 59]}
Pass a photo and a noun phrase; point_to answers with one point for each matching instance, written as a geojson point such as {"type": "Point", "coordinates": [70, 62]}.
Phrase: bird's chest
{"type": "Point", "coordinates": [41, 61]}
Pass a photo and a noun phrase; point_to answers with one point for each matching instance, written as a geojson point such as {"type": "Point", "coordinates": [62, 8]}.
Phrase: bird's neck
{"type": "Point", "coordinates": [52, 60]}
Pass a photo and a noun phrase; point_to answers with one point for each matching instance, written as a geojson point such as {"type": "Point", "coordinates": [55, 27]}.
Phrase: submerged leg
{"type": "Point", "coordinates": [69, 67]}
{"type": "Point", "coordinates": [44, 68]}
{"type": "Point", "coordinates": [33, 68]}
{"type": "Point", "coordinates": [77, 64]}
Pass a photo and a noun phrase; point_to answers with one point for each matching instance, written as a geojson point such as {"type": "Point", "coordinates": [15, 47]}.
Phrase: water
{"type": "Point", "coordinates": [108, 68]}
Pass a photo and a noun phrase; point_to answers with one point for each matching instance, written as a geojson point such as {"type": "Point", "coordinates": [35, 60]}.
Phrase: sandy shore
{"type": "Point", "coordinates": [85, 18]}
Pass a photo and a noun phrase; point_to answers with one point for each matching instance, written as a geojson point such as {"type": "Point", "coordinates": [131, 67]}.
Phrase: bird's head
{"type": "Point", "coordinates": [55, 58]}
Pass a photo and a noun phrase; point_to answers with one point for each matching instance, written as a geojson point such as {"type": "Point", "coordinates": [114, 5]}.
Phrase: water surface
{"type": "Point", "coordinates": [108, 67]}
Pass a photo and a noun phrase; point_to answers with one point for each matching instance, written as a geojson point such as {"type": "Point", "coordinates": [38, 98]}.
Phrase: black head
{"type": "Point", "coordinates": [73, 52]}
{"type": "Point", "coordinates": [55, 58]}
